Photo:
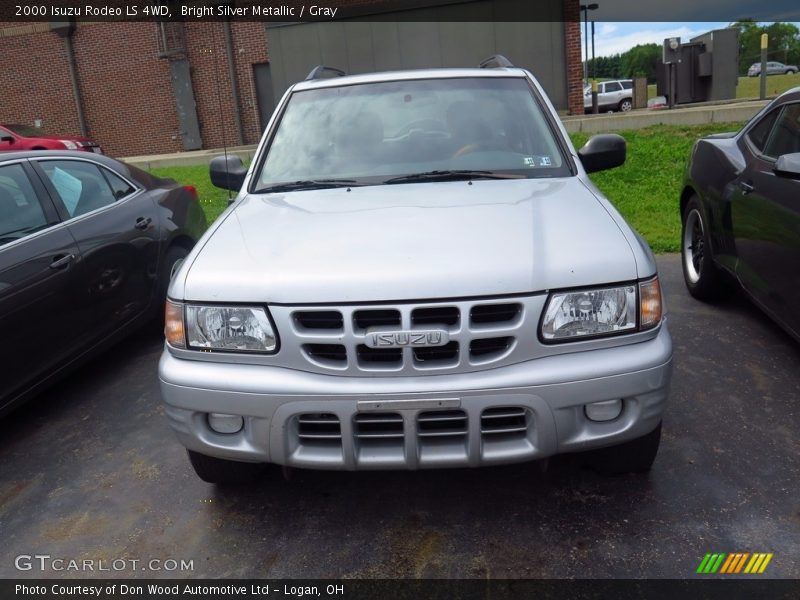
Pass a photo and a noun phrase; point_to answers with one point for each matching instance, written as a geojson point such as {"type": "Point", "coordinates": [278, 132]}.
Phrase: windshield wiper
{"type": "Point", "coordinates": [307, 184]}
{"type": "Point", "coordinates": [456, 175]}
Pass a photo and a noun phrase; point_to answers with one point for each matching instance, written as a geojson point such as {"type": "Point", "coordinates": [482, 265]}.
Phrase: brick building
{"type": "Point", "coordinates": [149, 88]}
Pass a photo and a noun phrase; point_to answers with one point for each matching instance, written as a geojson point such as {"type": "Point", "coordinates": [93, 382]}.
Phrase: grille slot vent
{"type": "Point", "coordinates": [326, 353]}
{"type": "Point", "coordinates": [319, 319]}
{"type": "Point", "coordinates": [319, 428]}
{"type": "Point", "coordinates": [437, 315]}
{"type": "Point", "coordinates": [442, 423]}
{"type": "Point", "coordinates": [364, 319]}
{"type": "Point", "coordinates": [428, 354]}
{"type": "Point", "coordinates": [506, 420]}
{"type": "Point", "coordinates": [486, 347]}
{"type": "Point", "coordinates": [384, 357]}
{"type": "Point", "coordinates": [485, 314]}
{"type": "Point", "coordinates": [378, 426]}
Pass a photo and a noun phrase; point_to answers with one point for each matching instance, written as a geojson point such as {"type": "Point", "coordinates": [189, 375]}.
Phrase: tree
{"type": "Point", "coordinates": [784, 42]}
{"type": "Point", "coordinates": [641, 61]}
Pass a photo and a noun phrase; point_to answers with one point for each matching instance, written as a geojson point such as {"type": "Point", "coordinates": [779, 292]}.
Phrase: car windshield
{"type": "Point", "coordinates": [25, 130]}
{"type": "Point", "coordinates": [370, 133]}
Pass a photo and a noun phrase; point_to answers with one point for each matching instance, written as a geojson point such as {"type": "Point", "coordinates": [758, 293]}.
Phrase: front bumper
{"type": "Point", "coordinates": [419, 422]}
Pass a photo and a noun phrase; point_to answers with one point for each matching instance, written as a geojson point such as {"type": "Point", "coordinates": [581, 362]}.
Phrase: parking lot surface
{"type": "Point", "coordinates": [90, 471]}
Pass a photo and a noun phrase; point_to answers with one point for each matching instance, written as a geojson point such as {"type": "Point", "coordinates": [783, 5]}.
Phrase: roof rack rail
{"type": "Point", "coordinates": [319, 71]}
{"type": "Point", "coordinates": [496, 61]}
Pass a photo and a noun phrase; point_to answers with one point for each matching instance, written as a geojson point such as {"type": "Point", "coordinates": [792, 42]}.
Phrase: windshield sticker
{"type": "Point", "coordinates": [538, 161]}
{"type": "Point", "coordinates": [68, 187]}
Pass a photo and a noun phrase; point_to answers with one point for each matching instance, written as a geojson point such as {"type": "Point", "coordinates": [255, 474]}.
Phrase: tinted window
{"type": "Point", "coordinates": [628, 85]}
{"type": "Point", "coordinates": [758, 135]}
{"type": "Point", "coordinates": [785, 136]}
{"type": "Point", "coordinates": [613, 86]}
{"type": "Point", "coordinates": [20, 211]}
{"type": "Point", "coordinates": [80, 185]}
{"type": "Point", "coordinates": [119, 186]}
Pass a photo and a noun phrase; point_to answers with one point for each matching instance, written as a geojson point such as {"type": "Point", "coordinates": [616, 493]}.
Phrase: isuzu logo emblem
{"type": "Point", "coordinates": [399, 339]}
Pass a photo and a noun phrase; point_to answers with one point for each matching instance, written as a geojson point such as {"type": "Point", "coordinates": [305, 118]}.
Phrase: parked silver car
{"type": "Point", "coordinates": [416, 273]}
{"type": "Point", "coordinates": [773, 68]}
{"type": "Point", "coordinates": [611, 96]}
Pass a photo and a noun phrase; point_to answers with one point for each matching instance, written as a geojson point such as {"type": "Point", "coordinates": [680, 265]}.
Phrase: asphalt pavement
{"type": "Point", "coordinates": [90, 471]}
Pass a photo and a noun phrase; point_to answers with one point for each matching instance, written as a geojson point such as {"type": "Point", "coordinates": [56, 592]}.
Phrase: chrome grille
{"type": "Point", "coordinates": [479, 333]}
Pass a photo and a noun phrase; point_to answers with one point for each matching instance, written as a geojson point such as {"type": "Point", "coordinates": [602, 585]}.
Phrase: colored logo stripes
{"type": "Point", "coordinates": [755, 563]}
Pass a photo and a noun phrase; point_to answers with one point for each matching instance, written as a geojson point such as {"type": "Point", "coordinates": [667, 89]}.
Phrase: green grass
{"type": "Point", "coordinates": [749, 87]}
{"type": "Point", "coordinates": [645, 189]}
{"type": "Point", "coordinates": [212, 199]}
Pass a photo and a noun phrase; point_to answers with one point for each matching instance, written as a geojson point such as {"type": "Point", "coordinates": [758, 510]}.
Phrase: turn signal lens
{"type": "Point", "coordinates": [173, 325]}
{"type": "Point", "coordinates": [650, 305]}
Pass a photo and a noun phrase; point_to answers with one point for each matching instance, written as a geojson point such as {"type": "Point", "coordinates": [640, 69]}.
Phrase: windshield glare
{"type": "Point", "coordinates": [389, 129]}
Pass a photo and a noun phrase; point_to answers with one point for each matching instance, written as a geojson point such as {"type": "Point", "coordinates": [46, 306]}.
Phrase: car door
{"type": "Point", "coordinates": [115, 224]}
{"type": "Point", "coordinates": [765, 215]}
{"type": "Point", "coordinates": [613, 94]}
{"type": "Point", "coordinates": [40, 282]}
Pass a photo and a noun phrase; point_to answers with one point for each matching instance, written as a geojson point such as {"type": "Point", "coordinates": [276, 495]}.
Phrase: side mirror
{"type": "Point", "coordinates": [788, 165]}
{"type": "Point", "coordinates": [604, 151]}
{"type": "Point", "coordinates": [227, 172]}
{"type": "Point", "coordinates": [7, 138]}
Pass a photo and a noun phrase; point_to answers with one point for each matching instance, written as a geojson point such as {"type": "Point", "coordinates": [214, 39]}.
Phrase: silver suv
{"type": "Point", "coordinates": [611, 96]}
{"type": "Point", "coordinates": [416, 273]}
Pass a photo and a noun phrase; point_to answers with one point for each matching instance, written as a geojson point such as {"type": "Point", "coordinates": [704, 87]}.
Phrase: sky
{"type": "Point", "coordinates": [613, 38]}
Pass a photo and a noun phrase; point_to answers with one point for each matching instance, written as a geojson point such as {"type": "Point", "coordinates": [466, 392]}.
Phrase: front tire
{"type": "Point", "coordinates": [703, 278]}
{"type": "Point", "coordinates": [225, 472]}
{"type": "Point", "coordinates": [626, 105]}
{"type": "Point", "coordinates": [635, 456]}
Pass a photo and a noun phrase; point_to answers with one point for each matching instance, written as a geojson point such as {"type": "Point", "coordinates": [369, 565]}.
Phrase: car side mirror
{"type": "Point", "coordinates": [788, 165]}
{"type": "Point", "coordinates": [603, 151]}
{"type": "Point", "coordinates": [6, 138]}
{"type": "Point", "coordinates": [227, 172]}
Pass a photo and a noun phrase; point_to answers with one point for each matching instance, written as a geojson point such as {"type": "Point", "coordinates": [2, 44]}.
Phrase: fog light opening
{"type": "Point", "coordinates": [608, 410]}
{"type": "Point", "coordinates": [222, 423]}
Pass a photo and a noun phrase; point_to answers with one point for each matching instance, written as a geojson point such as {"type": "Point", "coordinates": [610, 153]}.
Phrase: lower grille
{"type": "Point", "coordinates": [504, 422]}
{"type": "Point", "coordinates": [442, 423]}
{"type": "Point", "coordinates": [319, 429]}
{"type": "Point", "coordinates": [379, 357]}
{"type": "Point", "coordinates": [378, 426]}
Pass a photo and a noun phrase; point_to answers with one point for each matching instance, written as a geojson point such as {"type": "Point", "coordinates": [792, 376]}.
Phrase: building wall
{"type": "Point", "coordinates": [129, 106]}
{"type": "Point", "coordinates": [572, 35]}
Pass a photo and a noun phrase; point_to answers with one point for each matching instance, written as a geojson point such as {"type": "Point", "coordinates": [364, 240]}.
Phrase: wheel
{"type": "Point", "coordinates": [626, 105]}
{"type": "Point", "coordinates": [224, 472]}
{"type": "Point", "coordinates": [703, 278]}
{"type": "Point", "coordinates": [636, 456]}
{"type": "Point", "coordinates": [789, 71]}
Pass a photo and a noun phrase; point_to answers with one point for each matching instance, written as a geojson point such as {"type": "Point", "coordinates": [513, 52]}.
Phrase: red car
{"type": "Point", "coordinates": [23, 137]}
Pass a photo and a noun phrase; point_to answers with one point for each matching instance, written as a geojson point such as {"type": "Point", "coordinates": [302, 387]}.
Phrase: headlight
{"type": "Point", "coordinates": [221, 328]}
{"type": "Point", "coordinates": [602, 311]}
{"type": "Point", "coordinates": [69, 144]}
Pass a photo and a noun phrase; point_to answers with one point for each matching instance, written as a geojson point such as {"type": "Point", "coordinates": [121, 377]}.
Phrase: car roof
{"type": "Point", "coordinates": [407, 76]}
{"type": "Point", "coordinates": [100, 158]}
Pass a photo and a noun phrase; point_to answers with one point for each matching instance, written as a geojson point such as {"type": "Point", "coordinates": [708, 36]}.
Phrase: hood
{"type": "Point", "coordinates": [411, 241]}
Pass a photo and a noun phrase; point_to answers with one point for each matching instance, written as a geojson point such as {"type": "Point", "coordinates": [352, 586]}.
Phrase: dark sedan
{"type": "Point", "coordinates": [741, 213]}
{"type": "Point", "coordinates": [87, 248]}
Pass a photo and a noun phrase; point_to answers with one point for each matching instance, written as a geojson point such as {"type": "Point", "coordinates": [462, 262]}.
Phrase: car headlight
{"type": "Point", "coordinates": [69, 144]}
{"type": "Point", "coordinates": [596, 312]}
{"type": "Point", "coordinates": [220, 328]}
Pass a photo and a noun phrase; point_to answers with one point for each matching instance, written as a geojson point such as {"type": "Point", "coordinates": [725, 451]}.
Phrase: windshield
{"type": "Point", "coordinates": [25, 130]}
{"type": "Point", "coordinates": [372, 132]}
